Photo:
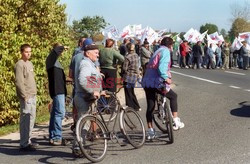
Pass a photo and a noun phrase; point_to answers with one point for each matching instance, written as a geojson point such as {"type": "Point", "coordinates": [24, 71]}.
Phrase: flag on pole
{"type": "Point", "coordinates": [111, 33]}
{"type": "Point", "coordinates": [236, 45]}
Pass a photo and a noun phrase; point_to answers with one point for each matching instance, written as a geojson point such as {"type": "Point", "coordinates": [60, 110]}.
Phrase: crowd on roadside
{"type": "Point", "coordinates": [93, 70]}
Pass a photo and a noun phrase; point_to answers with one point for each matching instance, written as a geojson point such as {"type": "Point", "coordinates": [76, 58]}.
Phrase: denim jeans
{"type": "Point", "coordinates": [56, 116]}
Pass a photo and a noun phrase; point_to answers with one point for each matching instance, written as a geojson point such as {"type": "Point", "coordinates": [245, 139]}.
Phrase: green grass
{"type": "Point", "coordinates": [42, 117]}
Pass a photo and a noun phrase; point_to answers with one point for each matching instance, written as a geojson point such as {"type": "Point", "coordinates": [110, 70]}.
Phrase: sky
{"type": "Point", "coordinates": [174, 15]}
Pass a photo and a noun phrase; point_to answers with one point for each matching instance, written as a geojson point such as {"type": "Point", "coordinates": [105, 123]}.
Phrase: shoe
{"type": "Point", "coordinates": [30, 147]}
{"type": "Point", "coordinates": [55, 142]}
{"type": "Point", "coordinates": [150, 134]}
{"type": "Point", "coordinates": [178, 124]}
{"type": "Point", "coordinates": [138, 110]}
{"type": "Point", "coordinates": [77, 152]}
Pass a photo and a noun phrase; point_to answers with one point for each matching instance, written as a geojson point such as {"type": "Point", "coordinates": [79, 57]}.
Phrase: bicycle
{"type": "Point", "coordinates": [93, 133]}
{"type": "Point", "coordinates": [163, 117]}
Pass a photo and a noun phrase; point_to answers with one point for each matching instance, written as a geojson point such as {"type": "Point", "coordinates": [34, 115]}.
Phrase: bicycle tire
{"type": "Point", "coordinates": [159, 122]}
{"type": "Point", "coordinates": [89, 139]}
{"type": "Point", "coordinates": [132, 127]}
{"type": "Point", "coordinates": [108, 107]}
{"type": "Point", "coordinates": [170, 123]}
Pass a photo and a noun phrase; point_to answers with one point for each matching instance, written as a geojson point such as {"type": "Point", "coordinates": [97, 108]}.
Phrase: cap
{"type": "Point", "coordinates": [86, 42]}
{"type": "Point", "coordinates": [90, 47]}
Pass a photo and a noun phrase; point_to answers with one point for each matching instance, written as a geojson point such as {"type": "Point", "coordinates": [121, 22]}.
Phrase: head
{"type": "Point", "coordinates": [80, 41]}
{"type": "Point", "coordinates": [244, 43]}
{"type": "Point", "coordinates": [109, 43]}
{"type": "Point", "coordinates": [130, 47]}
{"type": "Point", "coordinates": [198, 43]}
{"type": "Point", "coordinates": [146, 44]}
{"type": "Point", "coordinates": [25, 51]}
{"type": "Point", "coordinates": [211, 45]}
{"type": "Point", "coordinates": [168, 42]}
{"type": "Point", "coordinates": [91, 52]}
{"type": "Point", "coordinates": [126, 40]}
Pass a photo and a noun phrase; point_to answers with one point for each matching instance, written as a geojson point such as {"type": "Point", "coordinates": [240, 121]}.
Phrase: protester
{"type": "Point", "coordinates": [211, 61]}
{"type": "Point", "coordinates": [158, 75]}
{"type": "Point", "coordinates": [226, 52]}
{"type": "Point", "coordinates": [218, 56]}
{"type": "Point", "coordinates": [123, 48]}
{"type": "Point", "coordinates": [57, 90]}
{"type": "Point", "coordinates": [130, 77]}
{"type": "Point", "coordinates": [109, 58]}
{"type": "Point", "coordinates": [197, 53]}
{"type": "Point", "coordinates": [26, 93]}
{"type": "Point", "coordinates": [145, 55]}
{"type": "Point", "coordinates": [244, 55]}
{"type": "Point", "coordinates": [183, 52]}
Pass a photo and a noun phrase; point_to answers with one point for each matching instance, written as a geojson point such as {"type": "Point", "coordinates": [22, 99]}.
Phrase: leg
{"type": "Point", "coordinates": [151, 97]}
{"type": "Point", "coordinates": [130, 96]}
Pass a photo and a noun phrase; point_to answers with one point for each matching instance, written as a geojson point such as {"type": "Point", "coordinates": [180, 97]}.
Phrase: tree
{"type": "Point", "coordinates": [210, 27]}
{"type": "Point", "coordinates": [240, 19]}
{"type": "Point", "coordinates": [39, 23]}
{"type": "Point", "coordinates": [89, 26]}
{"type": "Point", "coordinates": [239, 25]}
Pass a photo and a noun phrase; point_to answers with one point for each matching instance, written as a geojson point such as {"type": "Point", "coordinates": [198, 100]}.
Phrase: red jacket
{"type": "Point", "coordinates": [183, 49]}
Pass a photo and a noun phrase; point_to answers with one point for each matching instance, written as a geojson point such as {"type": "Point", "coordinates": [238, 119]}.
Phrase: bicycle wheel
{"type": "Point", "coordinates": [132, 127]}
{"type": "Point", "coordinates": [164, 120]}
{"type": "Point", "coordinates": [108, 107]}
{"type": "Point", "coordinates": [159, 118]}
{"type": "Point", "coordinates": [92, 138]}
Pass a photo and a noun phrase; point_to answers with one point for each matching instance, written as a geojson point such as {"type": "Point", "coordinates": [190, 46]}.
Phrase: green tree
{"type": "Point", "coordinates": [89, 26]}
{"type": "Point", "coordinates": [238, 26]}
{"type": "Point", "coordinates": [39, 23]}
{"type": "Point", "coordinates": [210, 27]}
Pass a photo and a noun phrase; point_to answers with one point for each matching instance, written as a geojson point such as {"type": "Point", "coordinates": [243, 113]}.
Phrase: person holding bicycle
{"type": "Point", "coordinates": [157, 79]}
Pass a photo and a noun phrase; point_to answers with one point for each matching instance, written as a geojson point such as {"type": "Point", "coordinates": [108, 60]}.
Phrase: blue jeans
{"type": "Point", "coordinates": [56, 116]}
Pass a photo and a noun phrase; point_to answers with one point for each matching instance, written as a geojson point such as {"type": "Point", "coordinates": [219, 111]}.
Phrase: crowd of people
{"type": "Point", "coordinates": [210, 56]}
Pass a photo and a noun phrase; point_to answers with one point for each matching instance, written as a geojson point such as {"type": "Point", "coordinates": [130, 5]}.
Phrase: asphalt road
{"type": "Point", "coordinates": [213, 104]}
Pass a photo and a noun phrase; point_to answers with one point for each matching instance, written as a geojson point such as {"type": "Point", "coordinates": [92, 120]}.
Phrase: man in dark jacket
{"type": "Point", "coordinates": [197, 53]}
{"type": "Point", "coordinates": [57, 90]}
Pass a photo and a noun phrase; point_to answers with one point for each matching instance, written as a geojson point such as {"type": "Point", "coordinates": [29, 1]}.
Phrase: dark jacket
{"type": "Point", "coordinates": [56, 76]}
{"type": "Point", "coordinates": [197, 50]}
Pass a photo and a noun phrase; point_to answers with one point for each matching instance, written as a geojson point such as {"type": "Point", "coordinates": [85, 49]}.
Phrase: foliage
{"type": "Point", "coordinates": [238, 26]}
{"type": "Point", "coordinates": [39, 23]}
{"type": "Point", "coordinates": [210, 27]}
{"type": "Point", "coordinates": [89, 26]}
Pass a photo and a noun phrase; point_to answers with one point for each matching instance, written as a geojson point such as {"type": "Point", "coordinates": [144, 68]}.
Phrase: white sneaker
{"type": "Point", "coordinates": [178, 124]}
{"type": "Point", "coordinates": [150, 134]}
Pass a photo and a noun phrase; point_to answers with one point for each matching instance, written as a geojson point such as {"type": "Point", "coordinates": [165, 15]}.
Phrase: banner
{"type": "Point", "coordinates": [111, 33]}
{"type": "Point", "coordinates": [236, 45]}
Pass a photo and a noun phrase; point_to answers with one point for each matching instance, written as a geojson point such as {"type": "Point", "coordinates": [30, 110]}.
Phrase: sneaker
{"type": "Point", "coordinates": [77, 152]}
{"type": "Point", "coordinates": [55, 142]}
{"type": "Point", "coordinates": [178, 124]}
{"type": "Point", "coordinates": [150, 134]}
{"type": "Point", "coordinates": [30, 147]}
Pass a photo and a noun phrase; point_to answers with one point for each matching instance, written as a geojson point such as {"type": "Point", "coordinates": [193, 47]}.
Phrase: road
{"type": "Point", "coordinates": [213, 104]}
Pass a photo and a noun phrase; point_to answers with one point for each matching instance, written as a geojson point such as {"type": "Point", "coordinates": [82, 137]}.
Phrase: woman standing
{"type": "Point", "coordinates": [130, 76]}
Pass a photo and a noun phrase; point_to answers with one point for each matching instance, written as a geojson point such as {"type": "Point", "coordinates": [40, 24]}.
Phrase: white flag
{"type": "Point", "coordinates": [111, 32]}
{"type": "Point", "coordinates": [236, 44]}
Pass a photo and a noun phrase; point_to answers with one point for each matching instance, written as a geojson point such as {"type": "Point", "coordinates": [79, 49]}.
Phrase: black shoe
{"type": "Point", "coordinates": [30, 147]}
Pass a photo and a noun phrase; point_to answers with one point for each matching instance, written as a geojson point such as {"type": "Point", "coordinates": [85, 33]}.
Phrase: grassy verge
{"type": "Point", "coordinates": [42, 116]}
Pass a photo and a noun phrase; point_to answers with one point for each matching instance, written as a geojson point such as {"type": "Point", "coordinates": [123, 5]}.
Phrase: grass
{"type": "Point", "coordinates": [42, 117]}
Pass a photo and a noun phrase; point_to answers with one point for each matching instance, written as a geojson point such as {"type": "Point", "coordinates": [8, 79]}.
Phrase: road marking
{"type": "Point", "coordinates": [232, 86]}
{"type": "Point", "coordinates": [248, 90]}
{"type": "Point", "coordinates": [198, 78]}
{"type": "Point", "coordinates": [237, 73]}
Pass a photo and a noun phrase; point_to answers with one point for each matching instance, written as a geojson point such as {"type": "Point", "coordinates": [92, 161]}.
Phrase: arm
{"type": "Point", "coordinates": [53, 56]}
{"type": "Point", "coordinates": [20, 81]}
{"type": "Point", "coordinates": [146, 53]}
{"type": "Point", "coordinates": [118, 56]}
{"type": "Point", "coordinates": [163, 64]}
{"type": "Point", "coordinates": [125, 65]}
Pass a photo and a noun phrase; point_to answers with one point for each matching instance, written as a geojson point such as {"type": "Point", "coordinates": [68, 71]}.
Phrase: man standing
{"type": "Point", "coordinates": [57, 90]}
{"type": "Point", "coordinates": [183, 53]}
{"type": "Point", "coordinates": [26, 92]}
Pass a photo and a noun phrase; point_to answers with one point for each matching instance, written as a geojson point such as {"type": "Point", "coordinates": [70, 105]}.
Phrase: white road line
{"type": "Point", "coordinates": [232, 86]}
{"type": "Point", "coordinates": [237, 73]}
{"type": "Point", "coordinates": [248, 90]}
{"type": "Point", "coordinates": [198, 78]}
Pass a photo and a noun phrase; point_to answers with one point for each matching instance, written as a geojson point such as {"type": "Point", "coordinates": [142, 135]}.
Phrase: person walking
{"type": "Point", "coordinates": [57, 91]}
{"type": "Point", "coordinates": [197, 53]}
{"type": "Point", "coordinates": [130, 77]}
{"type": "Point", "coordinates": [26, 93]}
{"type": "Point", "coordinates": [226, 52]}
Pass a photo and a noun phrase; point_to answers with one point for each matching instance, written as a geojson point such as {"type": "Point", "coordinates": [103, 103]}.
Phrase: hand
{"type": "Point", "coordinates": [96, 94]}
{"type": "Point", "coordinates": [168, 81]}
{"type": "Point", "coordinates": [66, 48]}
